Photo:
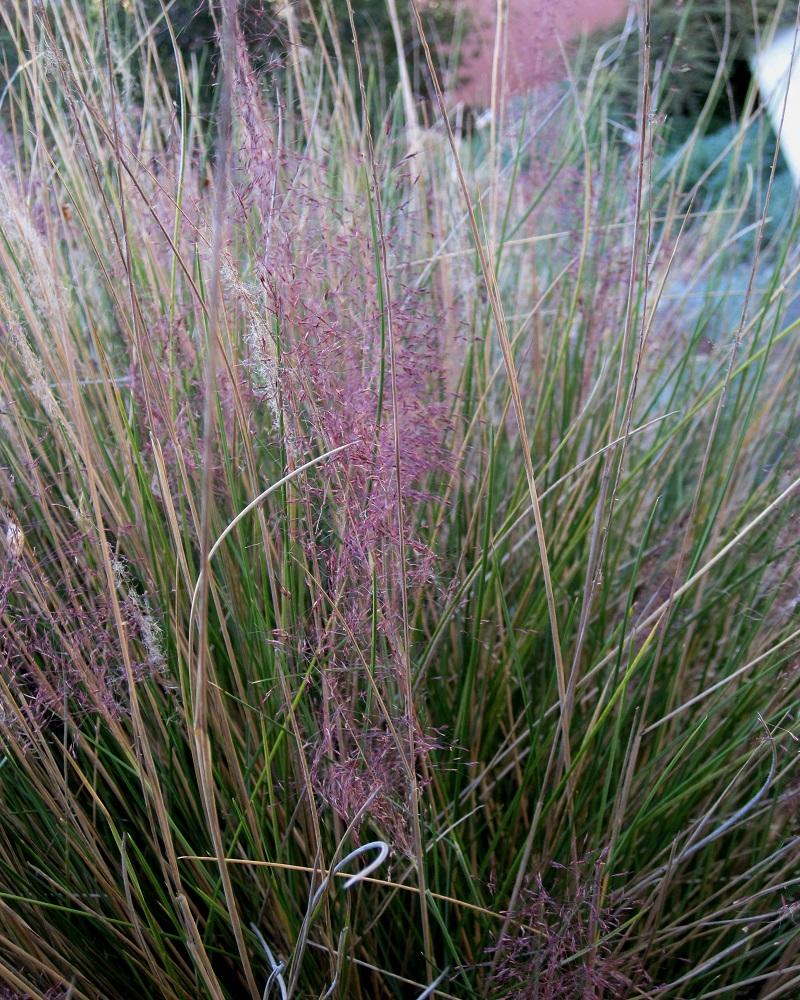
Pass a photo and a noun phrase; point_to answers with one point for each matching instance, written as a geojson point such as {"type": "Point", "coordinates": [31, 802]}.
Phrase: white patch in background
{"type": "Point", "coordinates": [775, 71]}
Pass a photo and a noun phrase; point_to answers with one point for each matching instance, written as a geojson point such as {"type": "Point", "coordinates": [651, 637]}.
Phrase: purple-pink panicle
{"type": "Point", "coordinates": [320, 352]}
{"type": "Point", "coordinates": [535, 959]}
{"type": "Point", "coordinates": [61, 651]}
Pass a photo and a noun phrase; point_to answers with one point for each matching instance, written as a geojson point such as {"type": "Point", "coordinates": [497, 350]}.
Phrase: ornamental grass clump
{"type": "Point", "coordinates": [555, 945]}
{"type": "Point", "coordinates": [398, 529]}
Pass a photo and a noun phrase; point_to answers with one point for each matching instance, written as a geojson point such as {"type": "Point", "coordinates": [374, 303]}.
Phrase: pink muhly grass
{"type": "Point", "coordinates": [362, 774]}
{"type": "Point", "coordinates": [60, 647]}
{"type": "Point", "coordinates": [535, 958]}
{"type": "Point", "coordinates": [318, 350]}
{"type": "Point", "coordinates": [320, 298]}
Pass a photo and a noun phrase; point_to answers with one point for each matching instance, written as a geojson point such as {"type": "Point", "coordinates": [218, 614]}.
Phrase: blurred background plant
{"type": "Point", "coordinates": [270, 28]}
{"type": "Point", "coordinates": [703, 48]}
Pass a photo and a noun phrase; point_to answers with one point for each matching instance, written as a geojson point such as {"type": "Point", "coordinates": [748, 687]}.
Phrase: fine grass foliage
{"type": "Point", "coordinates": [398, 566]}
